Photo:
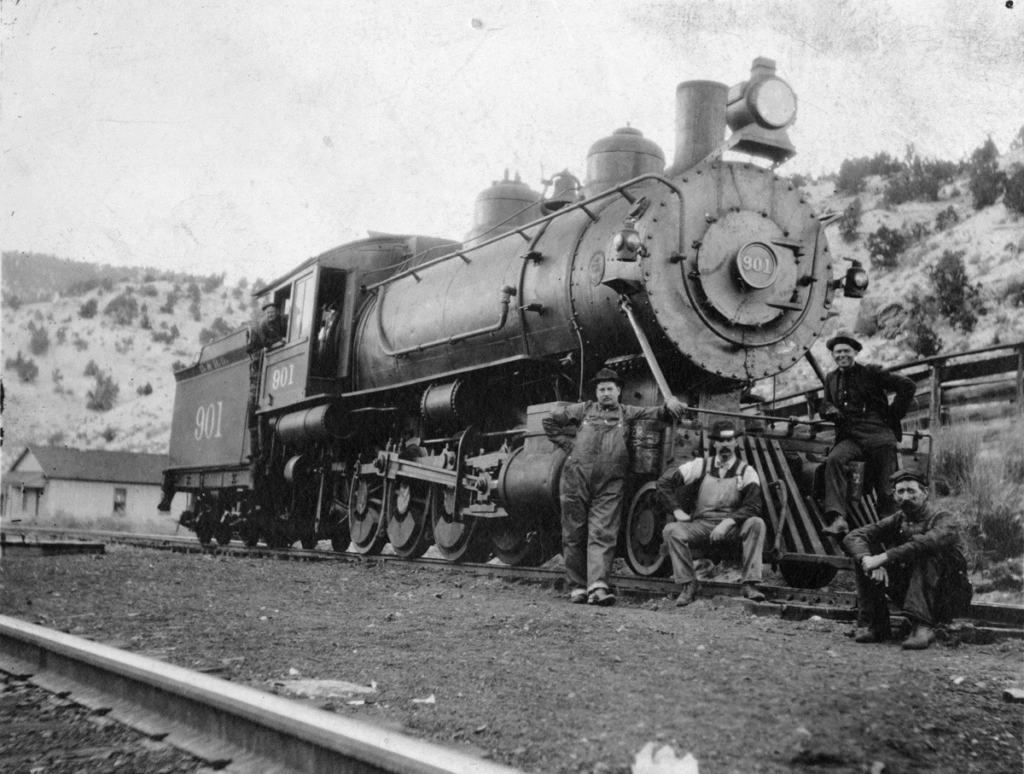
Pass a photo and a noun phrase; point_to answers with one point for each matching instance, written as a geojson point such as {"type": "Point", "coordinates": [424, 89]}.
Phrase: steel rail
{"type": "Point", "coordinates": [234, 725]}
{"type": "Point", "coordinates": [786, 601]}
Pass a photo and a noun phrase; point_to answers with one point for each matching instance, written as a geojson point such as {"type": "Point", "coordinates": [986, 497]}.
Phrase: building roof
{"type": "Point", "coordinates": [58, 462]}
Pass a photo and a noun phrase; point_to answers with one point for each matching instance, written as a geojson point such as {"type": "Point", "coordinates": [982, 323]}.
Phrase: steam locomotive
{"type": "Point", "coordinates": [404, 404]}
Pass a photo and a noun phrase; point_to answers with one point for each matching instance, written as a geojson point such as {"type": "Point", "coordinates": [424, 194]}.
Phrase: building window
{"type": "Point", "coordinates": [120, 498]}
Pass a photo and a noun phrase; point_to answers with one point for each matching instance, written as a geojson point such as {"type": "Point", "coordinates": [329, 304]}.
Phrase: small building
{"type": "Point", "coordinates": [48, 484]}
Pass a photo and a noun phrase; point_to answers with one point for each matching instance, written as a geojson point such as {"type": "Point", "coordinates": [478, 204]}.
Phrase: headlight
{"type": "Point", "coordinates": [773, 103]}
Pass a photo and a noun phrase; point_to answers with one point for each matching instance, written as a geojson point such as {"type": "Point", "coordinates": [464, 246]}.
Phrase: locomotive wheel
{"type": "Point", "coordinates": [279, 533]}
{"type": "Point", "coordinates": [365, 517]}
{"type": "Point", "coordinates": [807, 575]}
{"type": "Point", "coordinates": [204, 530]}
{"type": "Point", "coordinates": [408, 518]}
{"type": "Point", "coordinates": [308, 541]}
{"type": "Point", "coordinates": [223, 531]}
{"type": "Point", "coordinates": [523, 543]}
{"type": "Point", "coordinates": [249, 531]}
{"type": "Point", "coordinates": [644, 522]}
{"type": "Point", "coordinates": [340, 533]}
{"type": "Point", "coordinates": [457, 541]}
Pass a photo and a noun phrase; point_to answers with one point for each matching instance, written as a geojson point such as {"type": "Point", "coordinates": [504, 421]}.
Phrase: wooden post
{"type": "Point", "coordinates": [1020, 380]}
{"type": "Point", "coordinates": [935, 402]}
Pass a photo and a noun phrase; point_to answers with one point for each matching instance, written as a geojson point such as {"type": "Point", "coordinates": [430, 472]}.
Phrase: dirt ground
{"type": "Point", "coordinates": [515, 672]}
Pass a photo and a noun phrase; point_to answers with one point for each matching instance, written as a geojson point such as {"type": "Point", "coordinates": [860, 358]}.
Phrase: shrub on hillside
{"type": "Point", "coordinates": [145, 323]}
{"type": "Point", "coordinates": [1013, 293]}
{"type": "Point", "coordinates": [956, 298]}
{"type": "Point", "coordinates": [80, 343]}
{"type": "Point", "coordinates": [986, 181]}
{"type": "Point", "coordinates": [27, 370]}
{"type": "Point", "coordinates": [217, 330]}
{"type": "Point", "coordinates": [850, 221]}
{"type": "Point", "coordinates": [11, 302]}
{"type": "Point", "coordinates": [39, 340]}
{"type": "Point", "coordinates": [88, 310]}
{"type": "Point", "coordinates": [213, 282]}
{"type": "Point", "coordinates": [150, 291]}
{"type": "Point", "coordinates": [109, 433]}
{"type": "Point", "coordinates": [172, 299]}
{"type": "Point", "coordinates": [146, 389]}
{"type": "Point", "coordinates": [194, 292]}
{"type": "Point", "coordinates": [91, 369]}
{"type": "Point", "coordinates": [885, 246]}
{"type": "Point", "coordinates": [920, 326]}
{"type": "Point", "coordinates": [852, 172]}
{"type": "Point", "coordinates": [102, 396]}
{"type": "Point", "coordinates": [946, 218]}
{"type": "Point", "coordinates": [1013, 196]}
{"type": "Point", "coordinates": [196, 311]}
{"type": "Point", "coordinates": [123, 309]}
{"type": "Point", "coordinates": [166, 337]}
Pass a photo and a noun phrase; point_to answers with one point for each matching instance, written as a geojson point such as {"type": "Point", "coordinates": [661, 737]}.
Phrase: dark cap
{"type": "Point", "coordinates": [723, 430]}
{"type": "Point", "coordinates": [913, 473]}
{"type": "Point", "coordinates": [844, 337]}
{"type": "Point", "coordinates": [268, 304]}
{"type": "Point", "coordinates": [606, 375]}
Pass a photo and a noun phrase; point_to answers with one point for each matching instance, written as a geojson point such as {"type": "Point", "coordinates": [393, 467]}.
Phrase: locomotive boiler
{"type": "Point", "coordinates": [404, 404]}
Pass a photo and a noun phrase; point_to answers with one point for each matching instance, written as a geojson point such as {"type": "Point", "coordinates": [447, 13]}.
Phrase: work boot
{"type": "Point", "coordinates": [750, 592]}
{"type": "Point", "coordinates": [688, 594]}
{"type": "Point", "coordinates": [837, 526]}
{"type": "Point", "coordinates": [578, 596]}
{"type": "Point", "coordinates": [920, 638]}
{"type": "Point", "coordinates": [873, 634]}
{"type": "Point", "coordinates": [601, 596]}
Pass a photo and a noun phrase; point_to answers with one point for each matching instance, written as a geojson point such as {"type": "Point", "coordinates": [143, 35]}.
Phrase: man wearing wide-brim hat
{"type": "Point", "coordinates": [596, 434]}
{"type": "Point", "coordinates": [867, 427]}
{"type": "Point", "coordinates": [722, 501]}
{"type": "Point", "coordinates": [916, 556]}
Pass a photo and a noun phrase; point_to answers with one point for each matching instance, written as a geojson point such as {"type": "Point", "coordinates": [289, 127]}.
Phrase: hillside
{"type": "Point", "coordinates": [52, 408]}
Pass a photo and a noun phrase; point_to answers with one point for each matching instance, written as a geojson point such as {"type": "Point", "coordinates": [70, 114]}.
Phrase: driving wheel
{"type": "Point", "coordinates": [408, 518]}
{"type": "Point", "coordinates": [644, 523]}
{"type": "Point", "coordinates": [365, 511]}
{"type": "Point", "coordinates": [457, 540]}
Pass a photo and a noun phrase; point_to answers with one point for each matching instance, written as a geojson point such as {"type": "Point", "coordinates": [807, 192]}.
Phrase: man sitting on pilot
{"type": "Point", "coordinates": [727, 504]}
{"type": "Point", "coordinates": [916, 556]}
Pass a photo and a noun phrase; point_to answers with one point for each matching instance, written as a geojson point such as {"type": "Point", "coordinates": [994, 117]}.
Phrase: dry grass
{"type": "Point", "coordinates": [983, 472]}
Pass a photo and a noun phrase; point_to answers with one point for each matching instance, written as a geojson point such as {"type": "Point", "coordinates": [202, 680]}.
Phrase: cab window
{"type": "Point", "coordinates": [301, 309]}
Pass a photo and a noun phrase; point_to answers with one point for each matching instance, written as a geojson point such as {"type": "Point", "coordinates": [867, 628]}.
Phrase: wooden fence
{"type": "Point", "coordinates": [979, 385]}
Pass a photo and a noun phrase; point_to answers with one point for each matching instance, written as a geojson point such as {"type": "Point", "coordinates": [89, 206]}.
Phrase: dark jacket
{"type": "Point", "coordinates": [862, 398]}
{"type": "Point", "coordinates": [934, 534]}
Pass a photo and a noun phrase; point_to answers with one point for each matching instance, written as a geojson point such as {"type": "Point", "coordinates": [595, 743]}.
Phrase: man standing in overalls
{"type": "Point", "coordinates": [592, 482]}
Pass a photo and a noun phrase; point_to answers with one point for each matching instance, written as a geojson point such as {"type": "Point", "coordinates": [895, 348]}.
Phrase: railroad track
{"type": "Point", "coordinates": [989, 620]}
{"type": "Point", "coordinates": [231, 727]}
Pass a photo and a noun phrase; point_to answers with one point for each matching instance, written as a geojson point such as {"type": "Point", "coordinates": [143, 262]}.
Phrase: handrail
{"type": "Point", "coordinates": [932, 378]}
{"type": "Point", "coordinates": [506, 296]}
{"type": "Point", "coordinates": [582, 205]}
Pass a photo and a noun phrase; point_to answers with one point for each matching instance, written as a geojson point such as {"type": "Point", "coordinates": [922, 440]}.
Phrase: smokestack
{"type": "Point", "coordinates": [700, 122]}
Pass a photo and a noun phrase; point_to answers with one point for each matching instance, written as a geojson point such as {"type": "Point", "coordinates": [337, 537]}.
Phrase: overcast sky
{"type": "Point", "coordinates": [245, 137]}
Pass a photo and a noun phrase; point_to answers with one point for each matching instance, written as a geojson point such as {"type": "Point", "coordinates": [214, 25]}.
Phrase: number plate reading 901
{"type": "Point", "coordinates": [284, 381]}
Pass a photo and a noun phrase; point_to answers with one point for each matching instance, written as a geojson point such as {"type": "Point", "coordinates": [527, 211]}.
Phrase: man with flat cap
{"type": "Point", "coordinates": [867, 428]}
{"type": "Point", "coordinates": [725, 504]}
{"type": "Point", "coordinates": [916, 556]}
{"type": "Point", "coordinates": [592, 481]}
